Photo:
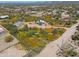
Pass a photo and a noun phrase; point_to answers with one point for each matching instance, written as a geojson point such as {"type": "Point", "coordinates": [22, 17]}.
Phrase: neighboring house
{"type": "Point", "coordinates": [65, 16]}
{"type": "Point", "coordinates": [3, 17]}
{"type": "Point", "coordinates": [55, 12]}
{"type": "Point", "coordinates": [19, 24]}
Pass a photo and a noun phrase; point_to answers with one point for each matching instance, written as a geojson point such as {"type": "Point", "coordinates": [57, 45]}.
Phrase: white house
{"type": "Point", "coordinates": [5, 16]}
{"type": "Point", "coordinates": [18, 23]}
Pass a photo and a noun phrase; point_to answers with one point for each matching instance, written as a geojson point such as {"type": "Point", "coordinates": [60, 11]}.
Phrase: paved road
{"type": "Point", "coordinates": [51, 49]}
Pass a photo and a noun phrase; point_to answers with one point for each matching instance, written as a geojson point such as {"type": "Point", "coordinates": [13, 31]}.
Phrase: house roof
{"type": "Point", "coordinates": [1, 30]}
{"type": "Point", "coordinates": [4, 16]}
{"type": "Point", "coordinates": [18, 23]}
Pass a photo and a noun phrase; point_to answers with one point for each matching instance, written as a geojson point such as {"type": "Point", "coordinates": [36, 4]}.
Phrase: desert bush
{"type": "Point", "coordinates": [8, 39]}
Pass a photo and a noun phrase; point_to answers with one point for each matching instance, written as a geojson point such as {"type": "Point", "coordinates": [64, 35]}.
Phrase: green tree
{"type": "Point", "coordinates": [21, 35]}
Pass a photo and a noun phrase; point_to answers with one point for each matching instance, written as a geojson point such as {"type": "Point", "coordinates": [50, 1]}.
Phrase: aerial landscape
{"type": "Point", "coordinates": [39, 29]}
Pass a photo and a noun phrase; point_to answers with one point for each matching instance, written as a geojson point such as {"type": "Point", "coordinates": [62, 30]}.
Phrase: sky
{"type": "Point", "coordinates": [39, 0]}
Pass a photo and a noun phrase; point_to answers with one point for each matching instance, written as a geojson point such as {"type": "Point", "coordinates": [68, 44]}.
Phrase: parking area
{"type": "Point", "coordinates": [4, 45]}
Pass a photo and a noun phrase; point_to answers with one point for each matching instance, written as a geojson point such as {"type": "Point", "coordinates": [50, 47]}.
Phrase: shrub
{"type": "Point", "coordinates": [9, 39]}
{"type": "Point", "coordinates": [75, 36]}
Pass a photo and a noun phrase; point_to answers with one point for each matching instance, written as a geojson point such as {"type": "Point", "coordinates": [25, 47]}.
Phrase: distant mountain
{"type": "Point", "coordinates": [37, 2]}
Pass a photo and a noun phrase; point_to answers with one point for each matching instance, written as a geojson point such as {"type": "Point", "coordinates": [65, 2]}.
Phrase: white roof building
{"type": "Point", "coordinates": [5, 16]}
{"type": "Point", "coordinates": [40, 22]}
{"type": "Point", "coordinates": [18, 23]}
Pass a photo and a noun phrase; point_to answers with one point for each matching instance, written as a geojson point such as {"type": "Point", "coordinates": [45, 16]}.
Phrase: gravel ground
{"type": "Point", "coordinates": [13, 52]}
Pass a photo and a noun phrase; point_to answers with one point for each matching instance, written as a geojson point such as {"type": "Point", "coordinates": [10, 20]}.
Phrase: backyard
{"type": "Point", "coordinates": [35, 39]}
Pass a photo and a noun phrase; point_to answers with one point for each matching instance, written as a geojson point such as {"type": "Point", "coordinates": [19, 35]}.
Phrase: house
{"type": "Point", "coordinates": [55, 12]}
{"type": "Point", "coordinates": [65, 16]}
{"type": "Point", "coordinates": [18, 23]}
{"type": "Point", "coordinates": [3, 17]}
{"type": "Point", "coordinates": [36, 13]}
{"type": "Point", "coordinates": [39, 22]}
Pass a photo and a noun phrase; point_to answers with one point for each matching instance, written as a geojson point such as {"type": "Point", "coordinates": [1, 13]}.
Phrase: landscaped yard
{"type": "Point", "coordinates": [35, 39]}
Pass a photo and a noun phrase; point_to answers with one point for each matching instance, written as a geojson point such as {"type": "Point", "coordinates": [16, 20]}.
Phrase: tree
{"type": "Point", "coordinates": [25, 28]}
{"type": "Point", "coordinates": [21, 35]}
{"type": "Point", "coordinates": [75, 36]}
{"type": "Point", "coordinates": [54, 31]}
{"type": "Point", "coordinates": [77, 27]}
{"type": "Point", "coordinates": [12, 28]}
{"type": "Point", "coordinates": [67, 50]}
{"type": "Point", "coordinates": [71, 53]}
